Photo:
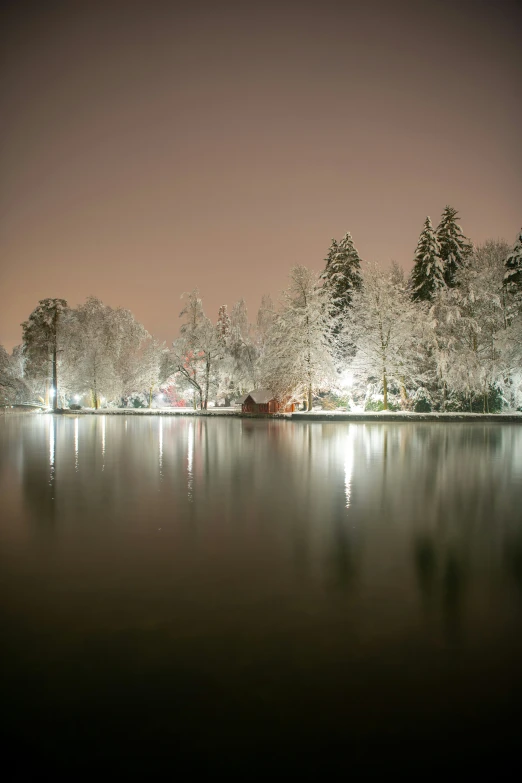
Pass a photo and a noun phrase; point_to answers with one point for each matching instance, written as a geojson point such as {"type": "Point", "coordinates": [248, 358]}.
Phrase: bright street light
{"type": "Point", "coordinates": [347, 379]}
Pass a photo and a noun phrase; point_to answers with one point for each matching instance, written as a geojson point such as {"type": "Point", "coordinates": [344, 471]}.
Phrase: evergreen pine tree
{"type": "Point", "coordinates": [428, 271]}
{"type": "Point", "coordinates": [332, 250]}
{"type": "Point", "coordinates": [513, 276]}
{"type": "Point", "coordinates": [455, 248]}
{"type": "Point", "coordinates": [342, 274]}
{"type": "Point", "coordinates": [41, 337]}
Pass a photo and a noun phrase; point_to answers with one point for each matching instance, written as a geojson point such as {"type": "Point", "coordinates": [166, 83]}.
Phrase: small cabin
{"type": "Point", "coordinates": [263, 401]}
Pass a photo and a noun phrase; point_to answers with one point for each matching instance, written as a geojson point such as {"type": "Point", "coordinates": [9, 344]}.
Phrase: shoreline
{"type": "Point", "coordinates": [303, 416]}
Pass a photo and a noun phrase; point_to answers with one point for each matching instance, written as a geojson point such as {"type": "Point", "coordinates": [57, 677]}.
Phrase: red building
{"type": "Point", "coordinates": [263, 401]}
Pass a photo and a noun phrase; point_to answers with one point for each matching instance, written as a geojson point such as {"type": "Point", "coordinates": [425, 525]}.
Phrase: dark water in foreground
{"type": "Point", "coordinates": [248, 594]}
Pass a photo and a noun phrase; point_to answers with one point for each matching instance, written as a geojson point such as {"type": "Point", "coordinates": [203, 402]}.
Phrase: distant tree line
{"type": "Point", "coordinates": [357, 335]}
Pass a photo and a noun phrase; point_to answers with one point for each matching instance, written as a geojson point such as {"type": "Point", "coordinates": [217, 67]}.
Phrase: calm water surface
{"type": "Point", "coordinates": [215, 591]}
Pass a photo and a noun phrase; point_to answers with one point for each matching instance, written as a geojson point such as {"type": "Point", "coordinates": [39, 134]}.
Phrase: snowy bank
{"type": "Point", "coordinates": [382, 416]}
{"type": "Point", "coordinates": [404, 416]}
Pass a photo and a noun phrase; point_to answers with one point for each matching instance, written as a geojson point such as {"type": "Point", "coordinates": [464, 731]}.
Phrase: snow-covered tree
{"type": "Point", "coordinates": [185, 350]}
{"type": "Point", "coordinates": [512, 337]}
{"type": "Point", "coordinates": [146, 369]}
{"type": "Point", "coordinates": [387, 329]}
{"type": "Point", "coordinates": [513, 274]}
{"type": "Point", "coordinates": [428, 270]}
{"type": "Point", "coordinates": [246, 346]}
{"type": "Point", "coordinates": [12, 387]}
{"type": "Point", "coordinates": [332, 252]}
{"type": "Point", "coordinates": [342, 276]}
{"type": "Point", "coordinates": [265, 318]}
{"type": "Point", "coordinates": [199, 348]}
{"type": "Point", "coordinates": [239, 324]}
{"type": "Point", "coordinates": [223, 324]}
{"type": "Point", "coordinates": [243, 349]}
{"type": "Point", "coordinates": [469, 325]}
{"type": "Point", "coordinates": [42, 334]}
{"type": "Point", "coordinates": [455, 248]}
{"type": "Point", "coordinates": [298, 357]}
{"type": "Point", "coordinates": [511, 347]}
{"type": "Point", "coordinates": [101, 348]}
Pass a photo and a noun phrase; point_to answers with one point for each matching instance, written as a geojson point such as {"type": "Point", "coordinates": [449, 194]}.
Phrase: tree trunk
{"type": "Point", "coordinates": [150, 397]}
{"type": "Point", "coordinates": [309, 401]}
{"type": "Point", "coordinates": [384, 392]}
{"type": "Point", "coordinates": [55, 379]}
{"type": "Point", "coordinates": [46, 393]}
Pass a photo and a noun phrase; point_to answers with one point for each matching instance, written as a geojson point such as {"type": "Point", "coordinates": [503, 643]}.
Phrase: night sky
{"type": "Point", "coordinates": [151, 147]}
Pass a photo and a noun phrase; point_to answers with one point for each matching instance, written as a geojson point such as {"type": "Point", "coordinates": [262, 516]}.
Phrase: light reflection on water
{"type": "Point", "coordinates": [76, 427]}
{"type": "Point", "coordinates": [265, 555]}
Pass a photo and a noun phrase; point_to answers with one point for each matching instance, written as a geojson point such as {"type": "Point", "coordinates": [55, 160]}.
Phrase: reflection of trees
{"type": "Point", "coordinates": [453, 585]}
{"type": "Point", "coordinates": [442, 492]}
{"type": "Point", "coordinates": [426, 566]}
{"type": "Point", "coordinates": [462, 500]}
{"type": "Point", "coordinates": [513, 558]}
{"type": "Point", "coordinates": [343, 503]}
{"type": "Point", "coordinates": [441, 578]}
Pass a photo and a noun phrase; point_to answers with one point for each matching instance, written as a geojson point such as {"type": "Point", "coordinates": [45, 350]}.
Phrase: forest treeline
{"type": "Point", "coordinates": [356, 335]}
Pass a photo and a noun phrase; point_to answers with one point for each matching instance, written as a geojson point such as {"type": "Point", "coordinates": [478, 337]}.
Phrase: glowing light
{"type": "Point", "coordinates": [103, 441]}
{"type": "Point", "coordinates": [76, 444]}
{"type": "Point", "coordinates": [52, 392]}
{"type": "Point", "coordinates": [160, 444]}
{"type": "Point", "coordinates": [190, 460]}
{"type": "Point", "coordinates": [348, 469]}
{"type": "Point", "coordinates": [51, 444]}
{"type": "Point", "coordinates": [77, 397]}
{"type": "Point", "coordinates": [346, 379]}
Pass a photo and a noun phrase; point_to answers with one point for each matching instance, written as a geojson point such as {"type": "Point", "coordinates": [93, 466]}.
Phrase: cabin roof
{"type": "Point", "coordinates": [260, 396]}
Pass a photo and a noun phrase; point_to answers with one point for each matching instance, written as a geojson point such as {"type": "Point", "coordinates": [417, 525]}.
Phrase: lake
{"type": "Point", "coordinates": [240, 594]}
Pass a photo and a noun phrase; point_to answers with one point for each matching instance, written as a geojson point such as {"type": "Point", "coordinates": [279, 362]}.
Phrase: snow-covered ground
{"type": "Point", "coordinates": [315, 415]}
{"type": "Point", "coordinates": [405, 416]}
{"type": "Point", "coordinates": [151, 412]}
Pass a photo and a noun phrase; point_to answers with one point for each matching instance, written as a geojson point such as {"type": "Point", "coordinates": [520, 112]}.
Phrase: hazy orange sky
{"type": "Point", "coordinates": [152, 147]}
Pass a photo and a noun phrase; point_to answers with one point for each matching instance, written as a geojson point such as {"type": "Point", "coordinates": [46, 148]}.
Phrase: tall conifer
{"type": "Point", "coordinates": [342, 274]}
{"type": "Point", "coordinates": [513, 276]}
{"type": "Point", "coordinates": [455, 248]}
{"type": "Point", "coordinates": [428, 271]}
